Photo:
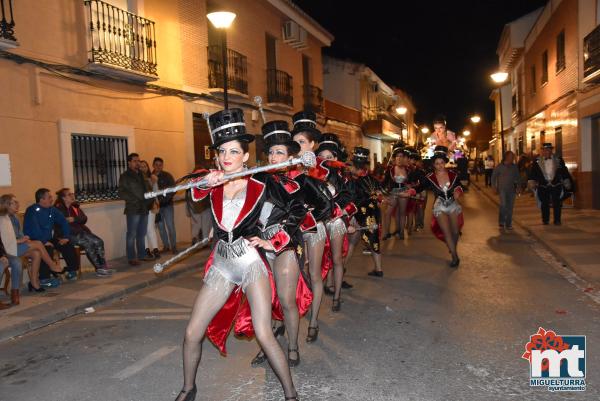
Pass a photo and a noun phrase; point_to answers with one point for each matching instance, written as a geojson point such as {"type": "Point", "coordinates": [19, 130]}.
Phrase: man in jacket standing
{"type": "Point", "coordinates": [506, 182]}
{"type": "Point", "coordinates": [551, 178]}
{"type": "Point", "coordinates": [166, 226]}
{"type": "Point", "coordinates": [131, 189]}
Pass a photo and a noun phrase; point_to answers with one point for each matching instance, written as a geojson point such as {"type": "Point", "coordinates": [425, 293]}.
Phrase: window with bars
{"type": "Point", "coordinates": [98, 162]}
{"type": "Point", "coordinates": [545, 67]}
{"type": "Point", "coordinates": [560, 52]}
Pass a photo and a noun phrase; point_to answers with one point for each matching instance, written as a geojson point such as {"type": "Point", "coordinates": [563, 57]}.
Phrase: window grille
{"type": "Point", "coordinates": [98, 162]}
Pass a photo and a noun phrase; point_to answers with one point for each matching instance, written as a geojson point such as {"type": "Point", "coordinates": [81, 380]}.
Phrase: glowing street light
{"type": "Point", "coordinates": [475, 119]}
{"type": "Point", "coordinates": [466, 132]}
{"type": "Point", "coordinates": [401, 110]}
{"type": "Point", "coordinates": [223, 20]}
{"type": "Point", "coordinates": [499, 77]}
{"type": "Point", "coordinates": [425, 130]}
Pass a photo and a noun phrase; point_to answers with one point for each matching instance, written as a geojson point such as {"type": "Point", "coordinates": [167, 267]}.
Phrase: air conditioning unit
{"type": "Point", "coordinates": [294, 35]}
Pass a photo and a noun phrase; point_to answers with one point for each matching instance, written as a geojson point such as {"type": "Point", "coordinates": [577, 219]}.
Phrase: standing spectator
{"type": "Point", "coordinates": [166, 226]}
{"type": "Point", "coordinates": [131, 189]}
{"type": "Point", "coordinates": [479, 167]}
{"type": "Point", "coordinates": [40, 219]}
{"type": "Point", "coordinates": [550, 177]}
{"type": "Point", "coordinates": [81, 235]}
{"type": "Point", "coordinates": [523, 165]}
{"type": "Point", "coordinates": [151, 238]}
{"type": "Point", "coordinates": [488, 170]}
{"type": "Point", "coordinates": [199, 213]}
{"type": "Point", "coordinates": [506, 180]}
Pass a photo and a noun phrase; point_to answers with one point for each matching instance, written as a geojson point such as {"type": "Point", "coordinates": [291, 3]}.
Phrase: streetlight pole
{"type": "Point", "coordinates": [223, 20]}
{"type": "Point", "coordinates": [500, 78]}
{"type": "Point", "coordinates": [224, 59]}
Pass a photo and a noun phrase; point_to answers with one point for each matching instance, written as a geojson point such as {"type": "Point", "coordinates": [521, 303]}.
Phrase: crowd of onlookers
{"type": "Point", "coordinates": [53, 231]}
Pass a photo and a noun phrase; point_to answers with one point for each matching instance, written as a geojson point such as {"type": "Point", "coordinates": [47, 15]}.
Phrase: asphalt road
{"type": "Point", "coordinates": [423, 332]}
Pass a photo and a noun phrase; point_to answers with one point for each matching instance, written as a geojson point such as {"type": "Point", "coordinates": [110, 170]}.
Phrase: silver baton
{"type": "Point", "coordinates": [159, 267]}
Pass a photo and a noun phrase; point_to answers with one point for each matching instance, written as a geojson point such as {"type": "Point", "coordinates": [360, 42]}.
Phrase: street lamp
{"type": "Point", "coordinates": [401, 110]}
{"type": "Point", "coordinates": [425, 130]}
{"type": "Point", "coordinates": [466, 132]}
{"type": "Point", "coordinates": [223, 20]}
{"type": "Point", "coordinates": [475, 119]}
{"type": "Point", "coordinates": [500, 78]}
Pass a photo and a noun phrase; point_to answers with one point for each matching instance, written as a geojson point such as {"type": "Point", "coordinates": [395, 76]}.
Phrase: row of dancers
{"type": "Point", "coordinates": [278, 234]}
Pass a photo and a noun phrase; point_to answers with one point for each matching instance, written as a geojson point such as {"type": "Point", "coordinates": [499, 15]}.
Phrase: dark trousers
{"type": "Point", "coordinates": [547, 195]}
{"type": "Point", "coordinates": [68, 253]}
{"type": "Point", "coordinates": [488, 177]}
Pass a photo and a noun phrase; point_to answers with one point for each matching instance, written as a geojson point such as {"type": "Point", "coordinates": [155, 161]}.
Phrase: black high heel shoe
{"type": "Point", "coordinates": [313, 334]}
{"type": "Point", "coordinates": [387, 236]}
{"type": "Point", "coordinates": [293, 362]}
{"type": "Point", "coordinates": [190, 395]}
{"type": "Point", "coordinates": [279, 331]}
{"type": "Point", "coordinates": [336, 306]}
{"type": "Point", "coordinates": [294, 397]}
{"type": "Point", "coordinates": [455, 262]}
{"type": "Point", "coordinates": [329, 290]}
{"type": "Point", "coordinates": [32, 288]}
{"type": "Point", "coordinates": [259, 359]}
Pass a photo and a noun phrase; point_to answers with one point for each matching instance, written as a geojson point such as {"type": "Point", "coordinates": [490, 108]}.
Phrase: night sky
{"type": "Point", "coordinates": [440, 52]}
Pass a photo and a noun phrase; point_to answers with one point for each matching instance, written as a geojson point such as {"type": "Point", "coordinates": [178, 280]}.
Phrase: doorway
{"type": "Point", "coordinates": [202, 142]}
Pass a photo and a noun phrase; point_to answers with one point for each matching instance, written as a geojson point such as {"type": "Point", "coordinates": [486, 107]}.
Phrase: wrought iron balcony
{"type": "Point", "coordinates": [237, 69]}
{"type": "Point", "coordinates": [121, 40]}
{"type": "Point", "coordinates": [279, 87]}
{"type": "Point", "coordinates": [313, 98]}
{"type": "Point", "coordinates": [591, 56]}
{"type": "Point", "coordinates": [7, 25]}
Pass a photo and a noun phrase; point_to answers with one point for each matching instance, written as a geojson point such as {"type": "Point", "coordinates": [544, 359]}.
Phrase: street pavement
{"type": "Point", "coordinates": [423, 332]}
{"type": "Point", "coordinates": [575, 242]}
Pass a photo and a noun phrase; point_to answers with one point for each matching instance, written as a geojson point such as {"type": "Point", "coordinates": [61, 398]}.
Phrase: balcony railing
{"type": "Point", "coordinates": [7, 23]}
{"type": "Point", "coordinates": [591, 55]}
{"type": "Point", "coordinates": [237, 69]}
{"type": "Point", "coordinates": [121, 39]}
{"type": "Point", "coordinates": [279, 87]}
{"type": "Point", "coordinates": [313, 98]}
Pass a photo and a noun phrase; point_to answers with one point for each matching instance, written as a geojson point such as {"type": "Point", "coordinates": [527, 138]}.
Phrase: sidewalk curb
{"type": "Point", "coordinates": [538, 238]}
{"type": "Point", "coordinates": [36, 324]}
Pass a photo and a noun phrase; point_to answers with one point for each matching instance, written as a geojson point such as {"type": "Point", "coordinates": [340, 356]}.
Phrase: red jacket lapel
{"type": "Point", "coordinates": [216, 198]}
{"type": "Point", "coordinates": [254, 190]}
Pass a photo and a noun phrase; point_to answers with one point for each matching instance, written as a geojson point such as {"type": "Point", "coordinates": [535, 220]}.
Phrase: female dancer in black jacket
{"type": "Point", "coordinates": [237, 260]}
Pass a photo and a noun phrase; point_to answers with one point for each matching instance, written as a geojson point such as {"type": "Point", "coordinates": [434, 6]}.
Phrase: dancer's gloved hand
{"type": "Point", "coordinates": [261, 243]}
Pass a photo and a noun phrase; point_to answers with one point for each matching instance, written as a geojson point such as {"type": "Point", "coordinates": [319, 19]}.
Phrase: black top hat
{"type": "Point", "coordinates": [411, 153]}
{"type": "Point", "coordinates": [398, 147]}
{"type": "Point", "coordinates": [361, 155]}
{"type": "Point", "coordinates": [306, 121]}
{"type": "Point", "coordinates": [277, 132]}
{"type": "Point", "coordinates": [331, 143]}
{"type": "Point", "coordinates": [440, 152]}
{"type": "Point", "coordinates": [228, 125]}
{"type": "Point", "coordinates": [547, 145]}
{"type": "Point", "coordinates": [439, 119]}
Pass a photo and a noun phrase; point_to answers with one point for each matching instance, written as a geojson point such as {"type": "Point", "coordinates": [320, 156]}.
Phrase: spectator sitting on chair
{"type": "Point", "coordinates": [166, 226]}
{"type": "Point", "coordinates": [40, 219]}
{"type": "Point", "coordinates": [81, 235]}
{"type": "Point", "coordinates": [4, 263]}
{"type": "Point", "coordinates": [19, 245]}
